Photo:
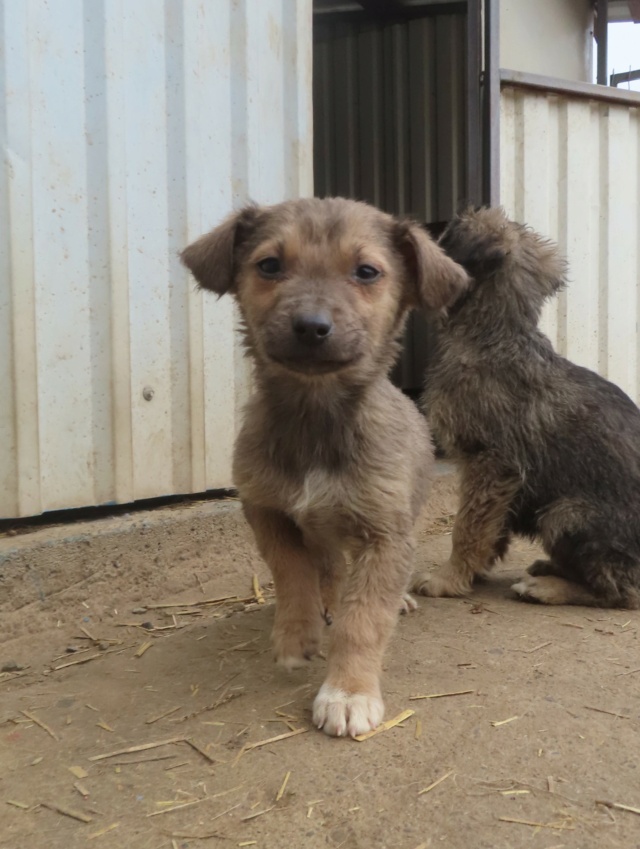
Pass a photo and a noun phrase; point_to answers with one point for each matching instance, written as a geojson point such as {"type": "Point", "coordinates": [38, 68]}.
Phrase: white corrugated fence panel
{"type": "Point", "coordinates": [127, 130]}
{"type": "Point", "coordinates": [570, 167]}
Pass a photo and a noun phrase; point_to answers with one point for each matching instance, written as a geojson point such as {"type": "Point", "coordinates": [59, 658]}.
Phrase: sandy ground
{"type": "Point", "coordinates": [537, 721]}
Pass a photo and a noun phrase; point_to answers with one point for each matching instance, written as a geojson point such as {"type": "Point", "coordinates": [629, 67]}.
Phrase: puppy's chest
{"type": "Point", "coordinates": [318, 497]}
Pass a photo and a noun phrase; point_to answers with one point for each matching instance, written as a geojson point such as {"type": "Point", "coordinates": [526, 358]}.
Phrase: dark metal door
{"type": "Point", "coordinates": [397, 120]}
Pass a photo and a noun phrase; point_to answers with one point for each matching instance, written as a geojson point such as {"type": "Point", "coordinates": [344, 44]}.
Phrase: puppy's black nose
{"type": "Point", "coordinates": [312, 328]}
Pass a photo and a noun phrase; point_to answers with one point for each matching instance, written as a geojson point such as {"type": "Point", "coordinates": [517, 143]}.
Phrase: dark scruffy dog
{"type": "Point", "coordinates": [546, 449]}
{"type": "Point", "coordinates": [331, 459]}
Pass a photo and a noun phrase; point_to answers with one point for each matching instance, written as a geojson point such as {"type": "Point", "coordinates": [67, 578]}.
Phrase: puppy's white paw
{"type": "Point", "coordinates": [408, 604]}
{"type": "Point", "coordinates": [338, 713]}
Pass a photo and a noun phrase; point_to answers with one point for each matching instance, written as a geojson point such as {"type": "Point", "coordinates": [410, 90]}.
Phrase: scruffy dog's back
{"type": "Point", "coordinates": [546, 449]}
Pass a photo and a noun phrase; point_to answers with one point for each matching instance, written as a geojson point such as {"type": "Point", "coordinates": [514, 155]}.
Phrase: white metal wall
{"type": "Point", "coordinates": [127, 129]}
{"type": "Point", "coordinates": [570, 168]}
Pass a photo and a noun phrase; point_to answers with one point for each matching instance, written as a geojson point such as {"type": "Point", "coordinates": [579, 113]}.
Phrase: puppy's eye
{"type": "Point", "coordinates": [269, 267]}
{"type": "Point", "coordinates": [366, 274]}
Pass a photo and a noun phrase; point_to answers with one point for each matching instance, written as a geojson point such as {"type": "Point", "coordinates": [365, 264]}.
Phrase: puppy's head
{"type": "Point", "coordinates": [517, 262]}
{"type": "Point", "coordinates": [324, 285]}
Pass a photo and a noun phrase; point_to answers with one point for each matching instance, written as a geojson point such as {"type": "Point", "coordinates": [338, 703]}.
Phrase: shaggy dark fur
{"type": "Point", "coordinates": [546, 449]}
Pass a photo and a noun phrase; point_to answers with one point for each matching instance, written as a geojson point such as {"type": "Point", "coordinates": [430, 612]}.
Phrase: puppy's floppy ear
{"type": "Point", "coordinates": [212, 259]}
{"type": "Point", "coordinates": [435, 280]}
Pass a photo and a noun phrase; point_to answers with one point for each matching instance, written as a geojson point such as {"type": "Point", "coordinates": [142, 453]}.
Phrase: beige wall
{"type": "Point", "coordinates": [570, 168]}
{"type": "Point", "coordinates": [551, 37]}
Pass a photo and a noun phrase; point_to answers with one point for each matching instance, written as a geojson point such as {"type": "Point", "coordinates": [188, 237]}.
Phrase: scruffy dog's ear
{"type": "Point", "coordinates": [478, 241]}
{"type": "Point", "coordinates": [212, 258]}
{"type": "Point", "coordinates": [436, 281]}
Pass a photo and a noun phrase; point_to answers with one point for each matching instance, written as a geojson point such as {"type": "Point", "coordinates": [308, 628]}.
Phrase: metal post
{"type": "Point", "coordinates": [473, 189]}
{"type": "Point", "coordinates": [491, 96]}
{"type": "Point", "coordinates": [601, 31]}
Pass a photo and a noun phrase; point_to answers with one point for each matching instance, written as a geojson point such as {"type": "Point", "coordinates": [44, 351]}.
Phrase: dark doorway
{"type": "Point", "coordinates": [393, 115]}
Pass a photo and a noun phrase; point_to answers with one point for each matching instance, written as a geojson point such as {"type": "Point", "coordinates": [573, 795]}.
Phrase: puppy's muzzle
{"type": "Point", "coordinates": [312, 329]}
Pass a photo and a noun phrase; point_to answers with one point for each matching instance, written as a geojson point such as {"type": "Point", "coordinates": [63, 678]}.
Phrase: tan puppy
{"type": "Point", "coordinates": [332, 459]}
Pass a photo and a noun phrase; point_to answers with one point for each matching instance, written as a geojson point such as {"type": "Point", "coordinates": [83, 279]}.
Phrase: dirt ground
{"type": "Point", "coordinates": [116, 735]}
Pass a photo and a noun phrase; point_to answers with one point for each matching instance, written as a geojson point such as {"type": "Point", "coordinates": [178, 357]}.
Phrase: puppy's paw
{"type": "Point", "coordinates": [445, 582]}
{"type": "Point", "coordinates": [548, 589]}
{"type": "Point", "coordinates": [339, 713]}
{"type": "Point", "coordinates": [295, 645]}
{"type": "Point", "coordinates": [408, 604]}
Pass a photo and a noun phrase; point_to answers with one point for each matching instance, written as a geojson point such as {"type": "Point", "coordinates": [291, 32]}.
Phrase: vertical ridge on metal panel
{"type": "Point", "coordinates": [570, 169]}
{"type": "Point", "coordinates": [118, 201]}
{"type": "Point", "coordinates": [99, 281]}
{"type": "Point", "coordinates": [20, 464]}
{"type": "Point", "coordinates": [61, 255]}
{"type": "Point", "coordinates": [216, 147]}
{"type": "Point", "coordinates": [148, 222]}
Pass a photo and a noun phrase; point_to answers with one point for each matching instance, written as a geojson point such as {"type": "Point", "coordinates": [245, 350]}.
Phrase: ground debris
{"type": "Point", "coordinates": [67, 812]}
{"type": "Point", "coordinates": [441, 695]}
{"type": "Point", "coordinates": [385, 726]}
{"type": "Point", "coordinates": [40, 724]}
{"type": "Point", "coordinates": [435, 783]}
{"type": "Point", "coordinates": [618, 806]}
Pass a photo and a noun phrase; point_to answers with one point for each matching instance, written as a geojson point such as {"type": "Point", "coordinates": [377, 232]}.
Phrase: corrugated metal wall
{"type": "Point", "coordinates": [570, 167]}
{"type": "Point", "coordinates": [390, 112]}
{"type": "Point", "coordinates": [127, 129]}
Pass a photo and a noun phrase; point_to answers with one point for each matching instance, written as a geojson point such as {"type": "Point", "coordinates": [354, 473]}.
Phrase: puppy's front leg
{"type": "Point", "coordinates": [479, 532]}
{"type": "Point", "coordinates": [298, 624]}
{"type": "Point", "coordinates": [350, 700]}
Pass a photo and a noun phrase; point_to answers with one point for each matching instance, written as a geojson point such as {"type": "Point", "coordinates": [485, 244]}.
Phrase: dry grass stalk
{"type": "Point", "coordinates": [618, 806]}
{"type": "Point", "coordinates": [283, 786]}
{"type": "Point", "coordinates": [153, 719]}
{"type": "Point", "coordinates": [40, 724]}
{"type": "Point", "coordinates": [200, 751]}
{"type": "Point", "coordinates": [102, 724]}
{"type": "Point", "coordinates": [559, 826]}
{"type": "Point", "coordinates": [497, 723]}
{"type": "Point", "coordinates": [178, 807]}
{"type": "Point", "coordinates": [146, 760]}
{"type": "Point", "coordinates": [256, 590]}
{"type": "Point", "coordinates": [143, 747]}
{"type": "Point", "coordinates": [385, 726]}
{"type": "Point", "coordinates": [66, 812]}
{"type": "Point", "coordinates": [76, 662]}
{"type": "Point", "coordinates": [199, 603]}
{"type": "Point", "coordinates": [21, 805]}
{"type": "Point", "coordinates": [609, 712]}
{"type": "Point", "coordinates": [143, 648]}
{"type": "Point", "coordinates": [441, 695]}
{"type": "Point", "coordinates": [257, 814]}
{"type": "Point", "coordinates": [103, 831]}
{"type": "Point", "coordinates": [224, 698]}
{"type": "Point", "coordinates": [248, 746]}
{"type": "Point", "coordinates": [630, 672]}
{"type": "Point", "coordinates": [209, 819]}
{"type": "Point", "coordinates": [435, 783]}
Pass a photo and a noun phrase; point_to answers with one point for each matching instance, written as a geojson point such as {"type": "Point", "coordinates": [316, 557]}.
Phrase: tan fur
{"type": "Point", "coordinates": [332, 460]}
